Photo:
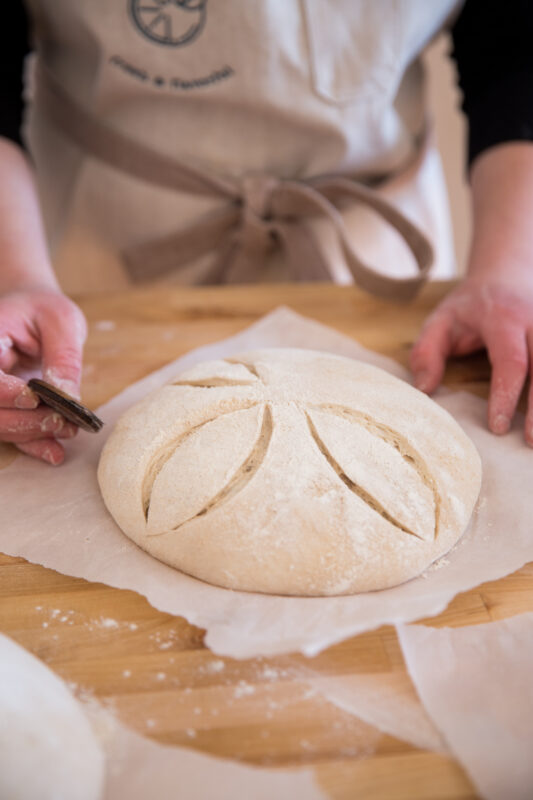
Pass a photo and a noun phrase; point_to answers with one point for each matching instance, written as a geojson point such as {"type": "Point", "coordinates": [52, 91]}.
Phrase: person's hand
{"type": "Point", "coordinates": [496, 315]}
{"type": "Point", "coordinates": [38, 327]}
{"type": "Point", "coordinates": [493, 307]}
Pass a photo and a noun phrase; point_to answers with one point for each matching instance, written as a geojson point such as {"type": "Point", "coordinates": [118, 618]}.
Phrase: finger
{"type": "Point", "coordinates": [24, 426]}
{"type": "Point", "coordinates": [529, 412]}
{"type": "Point", "coordinates": [7, 353]}
{"type": "Point", "coordinates": [17, 333]}
{"type": "Point", "coordinates": [62, 332]}
{"type": "Point", "coordinates": [46, 449]}
{"type": "Point", "coordinates": [429, 353]}
{"type": "Point", "coordinates": [14, 393]}
{"type": "Point", "coordinates": [16, 348]}
{"type": "Point", "coordinates": [508, 355]}
{"type": "Point", "coordinates": [468, 342]}
{"type": "Point", "coordinates": [8, 359]}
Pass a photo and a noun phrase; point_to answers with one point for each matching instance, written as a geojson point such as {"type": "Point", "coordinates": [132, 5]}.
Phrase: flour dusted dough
{"type": "Point", "coordinates": [291, 472]}
{"type": "Point", "coordinates": [47, 748]}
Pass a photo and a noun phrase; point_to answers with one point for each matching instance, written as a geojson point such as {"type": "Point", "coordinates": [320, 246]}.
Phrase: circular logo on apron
{"type": "Point", "coordinates": [170, 22]}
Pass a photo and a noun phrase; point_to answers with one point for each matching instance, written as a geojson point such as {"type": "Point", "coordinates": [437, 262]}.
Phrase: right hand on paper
{"type": "Point", "coordinates": [40, 327]}
{"type": "Point", "coordinates": [481, 314]}
{"type": "Point", "coordinates": [493, 306]}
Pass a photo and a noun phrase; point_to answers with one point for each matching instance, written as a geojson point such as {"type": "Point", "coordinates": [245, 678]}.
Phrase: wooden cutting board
{"type": "Point", "coordinates": [151, 669]}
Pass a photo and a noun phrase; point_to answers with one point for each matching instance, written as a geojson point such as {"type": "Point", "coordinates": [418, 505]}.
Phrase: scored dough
{"type": "Point", "coordinates": [291, 472]}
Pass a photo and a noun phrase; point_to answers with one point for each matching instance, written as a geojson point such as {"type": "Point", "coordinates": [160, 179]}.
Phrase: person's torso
{"type": "Point", "coordinates": [289, 87]}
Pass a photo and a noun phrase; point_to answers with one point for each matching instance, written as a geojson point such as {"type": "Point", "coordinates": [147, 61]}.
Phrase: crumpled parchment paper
{"type": "Point", "coordinates": [476, 684]}
{"type": "Point", "coordinates": [140, 768]}
{"type": "Point", "coordinates": [56, 518]}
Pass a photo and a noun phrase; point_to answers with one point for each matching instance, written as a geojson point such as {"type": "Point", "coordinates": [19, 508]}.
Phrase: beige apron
{"type": "Point", "coordinates": [187, 141]}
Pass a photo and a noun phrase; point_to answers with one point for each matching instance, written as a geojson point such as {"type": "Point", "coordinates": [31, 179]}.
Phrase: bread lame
{"type": "Point", "coordinates": [67, 406]}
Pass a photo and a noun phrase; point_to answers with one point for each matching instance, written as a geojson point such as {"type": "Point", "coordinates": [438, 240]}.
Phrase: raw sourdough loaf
{"type": "Point", "coordinates": [291, 472]}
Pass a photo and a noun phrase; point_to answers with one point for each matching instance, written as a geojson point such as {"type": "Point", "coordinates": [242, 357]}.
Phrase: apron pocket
{"type": "Point", "coordinates": [354, 48]}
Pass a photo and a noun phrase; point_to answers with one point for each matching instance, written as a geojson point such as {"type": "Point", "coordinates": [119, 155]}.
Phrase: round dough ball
{"type": "Point", "coordinates": [47, 748]}
{"type": "Point", "coordinates": [291, 472]}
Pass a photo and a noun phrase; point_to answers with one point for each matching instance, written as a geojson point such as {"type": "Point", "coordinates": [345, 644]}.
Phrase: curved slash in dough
{"type": "Point", "coordinates": [161, 457]}
{"type": "Point", "coordinates": [243, 475]}
{"type": "Point", "coordinates": [390, 437]}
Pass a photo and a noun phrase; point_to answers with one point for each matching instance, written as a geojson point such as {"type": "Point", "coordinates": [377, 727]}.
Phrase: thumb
{"type": "Point", "coordinates": [428, 356]}
{"type": "Point", "coordinates": [62, 330]}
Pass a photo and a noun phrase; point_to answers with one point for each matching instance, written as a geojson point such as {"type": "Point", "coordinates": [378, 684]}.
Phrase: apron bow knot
{"type": "Point", "coordinates": [256, 233]}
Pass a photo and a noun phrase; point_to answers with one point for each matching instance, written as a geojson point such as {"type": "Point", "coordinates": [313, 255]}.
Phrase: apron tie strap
{"type": "Point", "coordinates": [255, 215]}
{"type": "Point", "coordinates": [255, 234]}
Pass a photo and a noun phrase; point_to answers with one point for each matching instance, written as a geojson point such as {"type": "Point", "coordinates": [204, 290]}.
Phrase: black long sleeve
{"type": "Point", "coordinates": [14, 46]}
{"type": "Point", "coordinates": [493, 48]}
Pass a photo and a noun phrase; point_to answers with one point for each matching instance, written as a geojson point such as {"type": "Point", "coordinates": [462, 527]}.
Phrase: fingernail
{"type": "Point", "coordinates": [68, 431]}
{"type": "Point", "coordinates": [52, 424]}
{"type": "Point", "coordinates": [422, 381]}
{"type": "Point", "coordinates": [51, 457]}
{"type": "Point", "coordinates": [500, 424]}
{"type": "Point", "coordinates": [26, 399]}
{"type": "Point", "coordinates": [6, 343]}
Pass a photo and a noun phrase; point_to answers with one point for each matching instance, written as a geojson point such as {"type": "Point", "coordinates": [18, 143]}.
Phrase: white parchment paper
{"type": "Point", "coordinates": [387, 701]}
{"type": "Point", "coordinates": [140, 768]}
{"type": "Point", "coordinates": [476, 684]}
{"type": "Point", "coordinates": [55, 517]}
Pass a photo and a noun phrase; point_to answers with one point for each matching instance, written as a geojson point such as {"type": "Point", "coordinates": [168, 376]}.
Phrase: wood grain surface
{"type": "Point", "coordinates": [153, 670]}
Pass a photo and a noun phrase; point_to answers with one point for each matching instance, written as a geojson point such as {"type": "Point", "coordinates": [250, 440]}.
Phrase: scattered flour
{"type": "Point", "coordinates": [243, 689]}
{"type": "Point", "coordinates": [107, 622]}
{"type": "Point", "coordinates": [70, 617]}
{"type": "Point", "coordinates": [269, 673]}
{"type": "Point", "coordinates": [166, 640]}
{"type": "Point", "coordinates": [215, 666]}
{"type": "Point", "coordinates": [481, 503]}
{"type": "Point", "coordinates": [105, 325]}
{"type": "Point", "coordinates": [442, 562]}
